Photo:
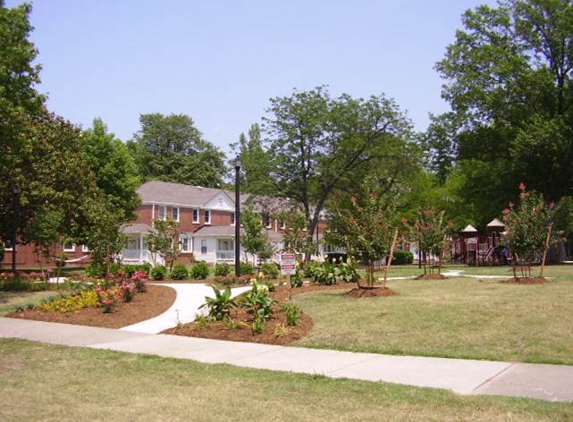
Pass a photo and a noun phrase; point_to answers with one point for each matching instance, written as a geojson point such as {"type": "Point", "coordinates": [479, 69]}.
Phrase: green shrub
{"type": "Point", "coordinates": [259, 301]}
{"type": "Point", "coordinates": [220, 306]}
{"type": "Point", "coordinates": [229, 280]}
{"type": "Point", "coordinates": [129, 270]}
{"type": "Point", "coordinates": [158, 272]}
{"type": "Point", "coordinates": [179, 272]}
{"type": "Point", "coordinates": [247, 269]}
{"type": "Point", "coordinates": [222, 269]}
{"type": "Point", "coordinates": [270, 270]}
{"type": "Point", "coordinates": [292, 313]}
{"type": "Point", "coordinates": [199, 271]}
{"type": "Point", "coordinates": [402, 258]}
{"type": "Point", "coordinates": [258, 325]}
{"type": "Point", "coordinates": [296, 280]}
{"type": "Point", "coordinates": [325, 274]}
{"type": "Point", "coordinates": [96, 270]}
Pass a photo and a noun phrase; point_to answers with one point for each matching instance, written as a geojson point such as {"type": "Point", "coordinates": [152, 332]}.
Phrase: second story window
{"type": "Point", "coordinates": [207, 217]}
{"type": "Point", "coordinates": [232, 219]}
{"type": "Point", "coordinates": [175, 212]}
{"type": "Point", "coordinates": [162, 212]}
{"type": "Point", "coordinates": [196, 216]}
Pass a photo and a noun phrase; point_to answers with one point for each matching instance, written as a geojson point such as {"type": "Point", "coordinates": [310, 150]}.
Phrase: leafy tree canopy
{"type": "Point", "coordinates": [508, 80]}
{"type": "Point", "coordinates": [319, 144]}
{"type": "Point", "coordinates": [170, 148]}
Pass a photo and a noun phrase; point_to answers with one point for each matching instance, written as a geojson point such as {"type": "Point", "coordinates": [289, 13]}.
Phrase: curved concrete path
{"type": "Point", "coordinates": [189, 298]}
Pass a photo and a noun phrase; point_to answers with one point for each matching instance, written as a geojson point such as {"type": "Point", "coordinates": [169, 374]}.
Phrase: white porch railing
{"type": "Point", "coordinates": [226, 255]}
{"type": "Point", "coordinates": [140, 256]}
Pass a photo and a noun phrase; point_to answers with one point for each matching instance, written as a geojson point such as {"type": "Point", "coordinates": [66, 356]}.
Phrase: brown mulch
{"type": "Point", "coordinates": [431, 277]}
{"type": "Point", "coordinates": [143, 306]}
{"type": "Point", "coordinates": [369, 292]}
{"type": "Point", "coordinates": [218, 330]}
{"type": "Point", "coordinates": [527, 280]}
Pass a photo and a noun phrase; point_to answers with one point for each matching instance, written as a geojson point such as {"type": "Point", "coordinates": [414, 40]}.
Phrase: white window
{"type": "Point", "coordinates": [203, 246]}
{"type": "Point", "coordinates": [195, 216]}
{"type": "Point", "coordinates": [232, 219]}
{"type": "Point", "coordinates": [85, 248]}
{"type": "Point", "coordinates": [175, 213]}
{"type": "Point", "coordinates": [207, 217]}
{"type": "Point", "coordinates": [162, 212]}
{"type": "Point", "coordinates": [8, 246]}
{"type": "Point", "coordinates": [185, 243]}
{"type": "Point", "coordinates": [69, 247]}
{"type": "Point", "coordinates": [283, 225]}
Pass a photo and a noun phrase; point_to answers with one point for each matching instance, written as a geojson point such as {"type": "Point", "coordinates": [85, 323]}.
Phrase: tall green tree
{"type": "Point", "coordinates": [170, 148]}
{"type": "Point", "coordinates": [19, 100]}
{"type": "Point", "coordinates": [256, 162]}
{"type": "Point", "coordinates": [319, 143]}
{"type": "Point", "coordinates": [255, 239]}
{"type": "Point", "coordinates": [508, 81]}
{"type": "Point", "coordinates": [114, 168]}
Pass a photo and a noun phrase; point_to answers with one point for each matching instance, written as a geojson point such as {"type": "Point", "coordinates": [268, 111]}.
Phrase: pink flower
{"type": "Point", "coordinates": [506, 211]}
{"type": "Point", "coordinates": [522, 186]}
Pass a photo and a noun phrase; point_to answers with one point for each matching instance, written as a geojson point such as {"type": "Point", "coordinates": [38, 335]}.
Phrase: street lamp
{"type": "Point", "coordinates": [237, 217]}
{"type": "Point", "coordinates": [15, 193]}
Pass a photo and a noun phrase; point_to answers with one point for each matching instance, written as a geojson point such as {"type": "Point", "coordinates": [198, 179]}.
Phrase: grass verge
{"type": "Point", "coordinates": [9, 301]}
{"type": "Point", "coordinates": [457, 318]}
{"type": "Point", "coordinates": [55, 383]}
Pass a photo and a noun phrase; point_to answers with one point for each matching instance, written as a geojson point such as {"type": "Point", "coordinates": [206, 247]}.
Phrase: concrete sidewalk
{"type": "Point", "coordinates": [547, 382]}
{"type": "Point", "coordinates": [187, 302]}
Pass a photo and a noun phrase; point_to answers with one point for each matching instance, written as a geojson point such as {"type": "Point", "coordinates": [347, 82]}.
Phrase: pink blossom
{"type": "Point", "coordinates": [522, 186]}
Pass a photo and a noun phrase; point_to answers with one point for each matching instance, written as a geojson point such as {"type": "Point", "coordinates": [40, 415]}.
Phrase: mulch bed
{"type": "Point", "coordinates": [143, 306]}
{"type": "Point", "coordinates": [369, 292]}
{"type": "Point", "coordinates": [431, 277]}
{"type": "Point", "coordinates": [527, 280]}
{"type": "Point", "coordinates": [218, 330]}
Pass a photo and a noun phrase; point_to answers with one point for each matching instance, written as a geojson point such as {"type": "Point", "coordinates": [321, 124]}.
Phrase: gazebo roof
{"type": "Point", "coordinates": [495, 223]}
{"type": "Point", "coordinates": [469, 229]}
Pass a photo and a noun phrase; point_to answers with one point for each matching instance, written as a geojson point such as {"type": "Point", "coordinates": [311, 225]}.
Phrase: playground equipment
{"type": "Point", "coordinates": [474, 249]}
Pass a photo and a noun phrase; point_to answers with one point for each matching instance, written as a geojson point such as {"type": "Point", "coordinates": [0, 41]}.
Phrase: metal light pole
{"type": "Point", "coordinates": [15, 193]}
{"type": "Point", "coordinates": [237, 217]}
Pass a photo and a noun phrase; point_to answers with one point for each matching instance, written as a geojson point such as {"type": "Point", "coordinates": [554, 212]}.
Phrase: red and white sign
{"type": "Point", "coordinates": [288, 264]}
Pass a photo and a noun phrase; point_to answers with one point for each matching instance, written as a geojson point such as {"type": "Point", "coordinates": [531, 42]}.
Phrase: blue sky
{"type": "Point", "coordinates": [221, 61]}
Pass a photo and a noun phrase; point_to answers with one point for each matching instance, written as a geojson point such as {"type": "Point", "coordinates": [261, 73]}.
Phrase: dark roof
{"type": "Point", "coordinates": [229, 231]}
{"type": "Point", "coordinates": [216, 231]}
{"type": "Point", "coordinates": [176, 193]}
{"type": "Point", "coordinates": [137, 228]}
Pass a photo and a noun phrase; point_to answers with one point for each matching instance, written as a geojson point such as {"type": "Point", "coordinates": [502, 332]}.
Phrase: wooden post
{"type": "Point", "coordinates": [545, 251]}
{"type": "Point", "coordinates": [390, 258]}
{"type": "Point", "coordinates": [441, 254]}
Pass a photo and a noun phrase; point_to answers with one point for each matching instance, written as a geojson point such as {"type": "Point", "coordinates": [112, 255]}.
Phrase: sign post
{"type": "Point", "coordinates": [288, 267]}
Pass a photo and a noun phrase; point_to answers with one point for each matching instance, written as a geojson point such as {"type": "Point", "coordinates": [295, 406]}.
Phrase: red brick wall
{"type": "Point", "coordinates": [27, 258]}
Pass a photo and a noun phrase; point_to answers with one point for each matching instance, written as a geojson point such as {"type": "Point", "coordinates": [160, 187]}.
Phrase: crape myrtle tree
{"type": "Point", "coordinates": [319, 143]}
{"type": "Point", "coordinates": [171, 148]}
{"type": "Point", "coordinates": [508, 81]}
{"type": "Point", "coordinates": [365, 224]}
{"type": "Point", "coordinates": [254, 240]}
{"type": "Point", "coordinates": [163, 242]}
{"type": "Point", "coordinates": [429, 230]}
{"type": "Point", "coordinates": [527, 226]}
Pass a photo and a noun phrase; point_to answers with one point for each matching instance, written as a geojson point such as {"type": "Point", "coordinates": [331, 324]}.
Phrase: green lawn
{"type": "Point", "coordinates": [458, 318]}
{"type": "Point", "coordinates": [413, 270]}
{"type": "Point", "coordinates": [9, 301]}
{"type": "Point", "coordinates": [53, 383]}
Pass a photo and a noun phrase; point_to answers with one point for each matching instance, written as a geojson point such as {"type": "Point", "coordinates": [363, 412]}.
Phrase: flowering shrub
{"type": "Point", "coordinates": [429, 230]}
{"type": "Point", "coordinates": [107, 299]}
{"type": "Point", "coordinates": [127, 291]}
{"type": "Point", "coordinates": [140, 280]}
{"type": "Point", "coordinates": [526, 227]}
{"type": "Point", "coordinates": [70, 303]}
